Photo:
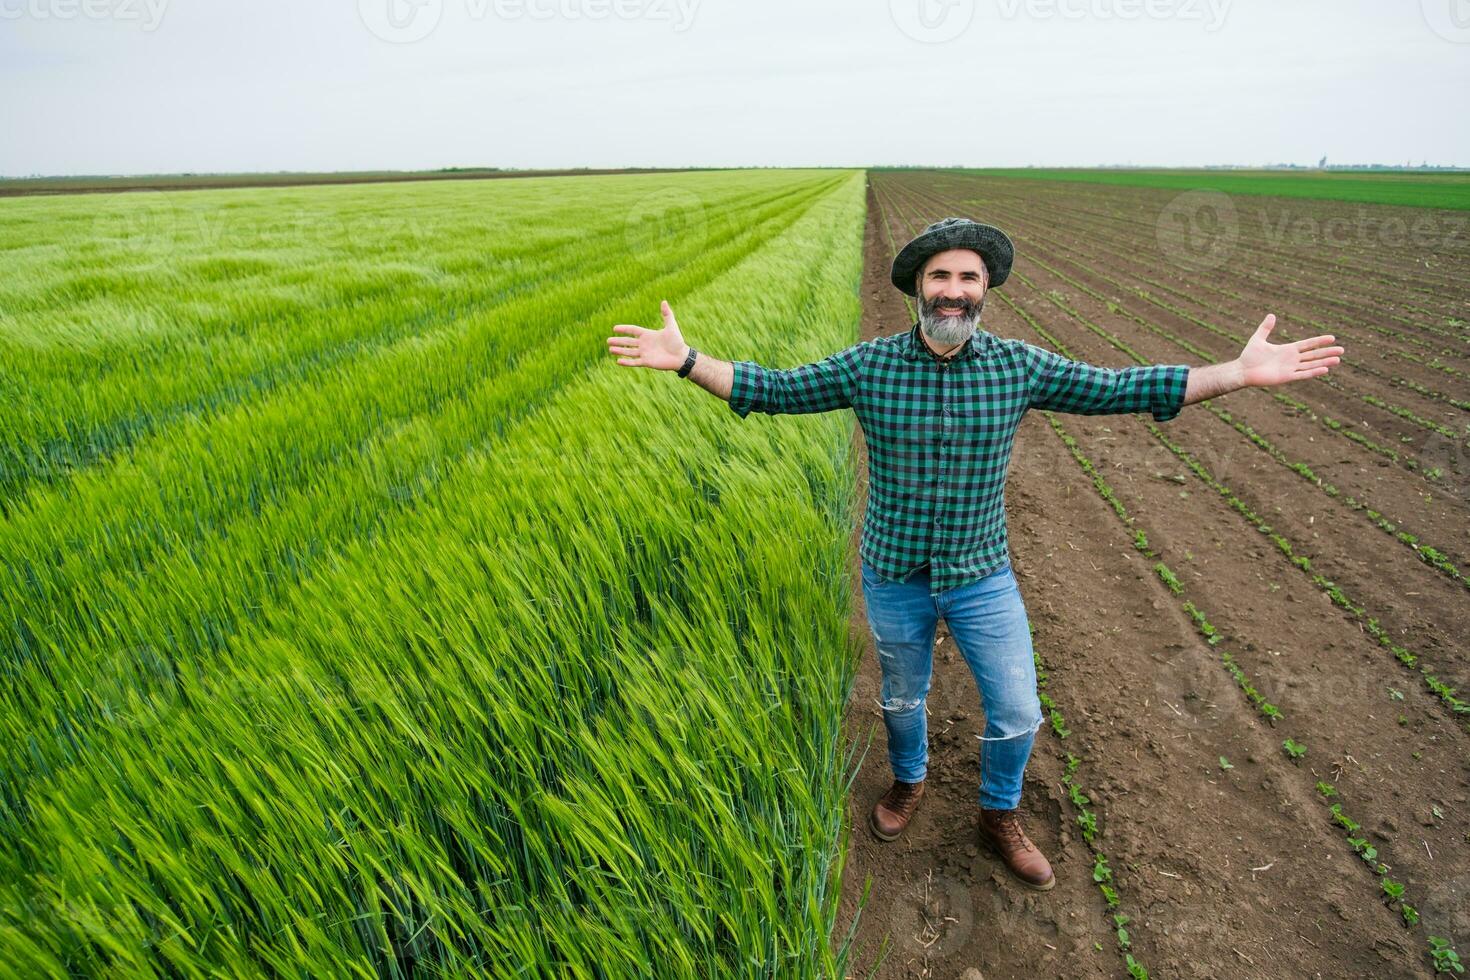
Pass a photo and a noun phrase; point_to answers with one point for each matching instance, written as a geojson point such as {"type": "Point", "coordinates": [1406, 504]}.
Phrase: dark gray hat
{"type": "Point", "coordinates": [994, 247]}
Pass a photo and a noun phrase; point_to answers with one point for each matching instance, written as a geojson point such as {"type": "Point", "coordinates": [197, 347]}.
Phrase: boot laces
{"type": "Point", "coordinates": [902, 797]}
{"type": "Point", "coordinates": [1007, 826]}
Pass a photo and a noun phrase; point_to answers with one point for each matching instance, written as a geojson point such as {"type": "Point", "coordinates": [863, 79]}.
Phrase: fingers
{"type": "Point", "coordinates": [627, 349]}
{"type": "Point", "coordinates": [1312, 342]}
{"type": "Point", "coordinates": [1330, 352]}
{"type": "Point", "coordinates": [630, 328]}
{"type": "Point", "coordinates": [667, 311]}
{"type": "Point", "coordinates": [1267, 323]}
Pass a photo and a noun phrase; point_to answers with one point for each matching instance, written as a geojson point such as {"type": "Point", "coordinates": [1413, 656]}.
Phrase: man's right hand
{"type": "Point", "coordinates": [662, 350]}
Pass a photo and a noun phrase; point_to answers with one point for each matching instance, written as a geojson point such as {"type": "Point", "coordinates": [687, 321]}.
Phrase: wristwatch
{"type": "Point", "coordinates": [688, 364]}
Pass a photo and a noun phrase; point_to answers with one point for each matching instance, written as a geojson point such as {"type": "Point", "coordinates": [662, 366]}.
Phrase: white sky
{"type": "Point", "coordinates": [141, 86]}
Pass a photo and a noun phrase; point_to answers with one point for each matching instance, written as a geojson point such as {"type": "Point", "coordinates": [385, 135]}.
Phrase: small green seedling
{"type": "Point", "coordinates": [1446, 960]}
{"type": "Point", "coordinates": [1087, 820]}
{"type": "Point", "coordinates": [1120, 920]}
{"type": "Point", "coordinates": [1294, 749]}
{"type": "Point", "coordinates": [1225, 764]}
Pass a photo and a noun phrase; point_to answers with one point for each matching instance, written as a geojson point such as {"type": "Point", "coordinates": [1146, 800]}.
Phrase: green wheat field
{"type": "Point", "coordinates": [361, 617]}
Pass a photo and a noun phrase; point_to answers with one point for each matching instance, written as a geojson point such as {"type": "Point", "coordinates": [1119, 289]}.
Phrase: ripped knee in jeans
{"type": "Point", "coordinates": [1010, 735]}
{"type": "Point", "coordinates": [900, 704]}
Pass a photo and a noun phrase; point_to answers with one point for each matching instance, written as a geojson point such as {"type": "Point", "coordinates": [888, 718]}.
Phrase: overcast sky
{"type": "Point", "coordinates": [145, 86]}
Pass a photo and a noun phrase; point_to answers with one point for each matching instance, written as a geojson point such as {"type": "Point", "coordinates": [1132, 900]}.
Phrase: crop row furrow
{"type": "Point", "coordinates": [1057, 250]}
{"type": "Point", "coordinates": [1260, 258]}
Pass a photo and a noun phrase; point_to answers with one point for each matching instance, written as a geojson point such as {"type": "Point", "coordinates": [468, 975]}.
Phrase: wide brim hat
{"type": "Point", "coordinates": [994, 247]}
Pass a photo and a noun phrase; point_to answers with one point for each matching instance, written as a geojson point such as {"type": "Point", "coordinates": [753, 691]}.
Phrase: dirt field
{"type": "Point", "coordinates": [1282, 516]}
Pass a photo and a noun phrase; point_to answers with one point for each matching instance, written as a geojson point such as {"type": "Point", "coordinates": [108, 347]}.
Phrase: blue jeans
{"type": "Point", "coordinates": [988, 622]}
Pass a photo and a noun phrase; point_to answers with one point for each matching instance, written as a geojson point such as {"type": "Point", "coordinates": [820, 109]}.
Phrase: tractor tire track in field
{"type": "Point", "coordinates": [1224, 873]}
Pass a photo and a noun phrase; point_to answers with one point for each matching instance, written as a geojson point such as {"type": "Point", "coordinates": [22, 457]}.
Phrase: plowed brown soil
{"type": "Point", "coordinates": [1225, 873]}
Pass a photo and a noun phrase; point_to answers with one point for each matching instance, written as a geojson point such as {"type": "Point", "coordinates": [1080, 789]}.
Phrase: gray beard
{"type": "Point", "coordinates": [948, 331]}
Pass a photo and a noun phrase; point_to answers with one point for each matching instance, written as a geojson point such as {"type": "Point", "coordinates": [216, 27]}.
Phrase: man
{"type": "Point", "coordinates": [939, 405]}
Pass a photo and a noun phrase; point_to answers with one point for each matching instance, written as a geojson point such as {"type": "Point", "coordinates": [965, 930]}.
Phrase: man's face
{"type": "Point", "coordinates": [951, 296]}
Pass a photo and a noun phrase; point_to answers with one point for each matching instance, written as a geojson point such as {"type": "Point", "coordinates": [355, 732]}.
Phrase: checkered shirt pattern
{"type": "Point", "coordinates": [939, 433]}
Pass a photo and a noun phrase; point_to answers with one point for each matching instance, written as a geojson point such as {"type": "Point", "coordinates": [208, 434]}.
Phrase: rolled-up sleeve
{"type": "Point", "coordinates": [821, 386]}
{"type": "Point", "coordinates": [1064, 385]}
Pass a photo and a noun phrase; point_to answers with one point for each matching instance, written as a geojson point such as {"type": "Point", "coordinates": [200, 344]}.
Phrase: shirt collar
{"type": "Point", "coordinates": [915, 349]}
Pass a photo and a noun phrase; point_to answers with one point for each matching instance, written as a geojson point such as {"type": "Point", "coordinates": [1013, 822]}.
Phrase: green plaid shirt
{"type": "Point", "coordinates": [939, 434]}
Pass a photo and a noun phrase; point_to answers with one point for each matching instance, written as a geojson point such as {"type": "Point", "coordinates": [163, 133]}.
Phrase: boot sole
{"type": "Point", "coordinates": [873, 826]}
{"type": "Point", "coordinates": [995, 852]}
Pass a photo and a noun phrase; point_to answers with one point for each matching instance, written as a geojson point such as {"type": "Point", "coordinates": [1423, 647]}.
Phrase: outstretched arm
{"type": "Point", "coordinates": [818, 387]}
{"type": "Point", "coordinates": [665, 350]}
{"type": "Point", "coordinates": [1262, 364]}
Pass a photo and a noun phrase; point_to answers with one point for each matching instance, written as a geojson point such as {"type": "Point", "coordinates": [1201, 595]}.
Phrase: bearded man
{"type": "Point", "coordinates": [939, 405]}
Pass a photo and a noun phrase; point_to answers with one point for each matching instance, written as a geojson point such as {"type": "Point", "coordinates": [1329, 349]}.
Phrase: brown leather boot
{"type": "Point", "coordinates": [892, 811]}
{"type": "Point", "coordinates": [1001, 831]}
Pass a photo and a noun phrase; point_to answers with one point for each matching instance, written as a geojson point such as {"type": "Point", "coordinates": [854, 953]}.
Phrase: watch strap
{"type": "Point", "coordinates": [688, 363]}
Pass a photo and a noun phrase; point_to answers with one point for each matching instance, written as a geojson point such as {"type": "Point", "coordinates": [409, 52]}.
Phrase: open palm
{"type": "Point", "coordinates": [1264, 363]}
{"type": "Point", "coordinates": [662, 350]}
